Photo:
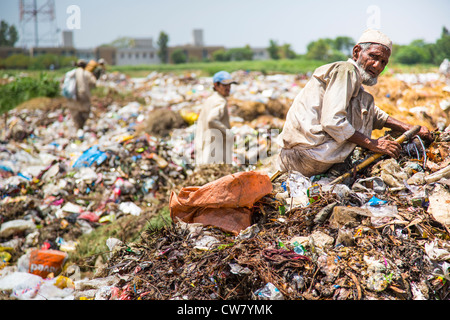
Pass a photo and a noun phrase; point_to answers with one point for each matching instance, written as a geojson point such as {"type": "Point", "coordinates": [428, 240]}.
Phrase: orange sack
{"type": "Point", "coordinates": [45, 262]}
{"type": "Point", "coordinates": [225, 203]}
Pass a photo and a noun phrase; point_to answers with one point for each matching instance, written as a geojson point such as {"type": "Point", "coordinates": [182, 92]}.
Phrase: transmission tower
{"type": "Point", "coordinates": [38, 23]}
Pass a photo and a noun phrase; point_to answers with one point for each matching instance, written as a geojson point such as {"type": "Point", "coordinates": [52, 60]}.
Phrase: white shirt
{"type": "Point", "coordinates": [211, 132]}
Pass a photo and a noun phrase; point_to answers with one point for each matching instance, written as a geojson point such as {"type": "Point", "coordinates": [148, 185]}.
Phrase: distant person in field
{"type": "Point", "coordinates": [81, 107]}
{"type": "Point", "coordinates": [213, 143]}
{"type": "Point", "coordinates": [333, 113]}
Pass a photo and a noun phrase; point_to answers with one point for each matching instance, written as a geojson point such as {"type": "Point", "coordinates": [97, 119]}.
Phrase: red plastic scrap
{"type": "Point", "coordinates": [282, 255]}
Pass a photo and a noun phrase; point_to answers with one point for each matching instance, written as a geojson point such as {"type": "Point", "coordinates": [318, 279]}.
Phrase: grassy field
{"type": "Point", "coordinates": [295, 66]}
{"type": "Point", "coordinates": [209, 68]}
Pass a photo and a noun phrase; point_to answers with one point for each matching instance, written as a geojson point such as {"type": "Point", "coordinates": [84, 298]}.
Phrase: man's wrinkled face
{"type": "Point", "coordinates": [371, 61]}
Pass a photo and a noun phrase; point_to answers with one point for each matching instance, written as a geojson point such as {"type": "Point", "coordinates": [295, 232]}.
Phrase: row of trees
{"type": "Point", "coordinates": [326, 49]}
{"type": "Point", "coordinates": [418, 51]}
{"type": "Point", "coordinates": [42, 62]}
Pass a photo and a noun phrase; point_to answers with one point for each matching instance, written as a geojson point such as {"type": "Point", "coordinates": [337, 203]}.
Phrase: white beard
{"type": "Point", "coordinates": [368, 80]}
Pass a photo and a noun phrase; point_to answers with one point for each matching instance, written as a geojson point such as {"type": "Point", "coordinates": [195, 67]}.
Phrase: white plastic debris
{"type": "Point", "coordinates": [130, 208]}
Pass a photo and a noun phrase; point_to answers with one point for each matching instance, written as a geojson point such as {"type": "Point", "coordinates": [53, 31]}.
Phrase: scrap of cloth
{"type": "Point", "coordinates": [328, 111]}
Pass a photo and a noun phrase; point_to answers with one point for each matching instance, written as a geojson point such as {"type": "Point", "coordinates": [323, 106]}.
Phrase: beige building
{"type": "Point", "coordinates": [59, 51]}
{"type": "Point", "coordinates": [195, 53]}
{"type": "Point", "coordinates": [108, 53]}
{"type": "Point", "coordinates": [141, 52]}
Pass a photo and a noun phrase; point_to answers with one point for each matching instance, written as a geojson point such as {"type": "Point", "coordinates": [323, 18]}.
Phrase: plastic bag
{"type": "Point", "coordinates": [91, 156]}
{"type": "Point", "coordinates": [374, 201]}
{"type": "Point", "coordinates": [225, 203]}
{"type": "Point", "coordinates": [12, 227]}
{"type": "Point", "coordinates": [44, 262]}
{"type": "Point", "coordinates": [19, 280]}
{"type": "Point", "coordinates": [69, 87]}
{"type": "Point", "coordinates": [131, 208]}
{"type": "Point", "coordinates": [298, 185]}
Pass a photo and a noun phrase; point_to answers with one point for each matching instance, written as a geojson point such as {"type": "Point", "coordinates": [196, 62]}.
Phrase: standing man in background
{"type": "Point", "coordinates": [81, 107]}
{"type": "Point", "coordinates": [213, 143]}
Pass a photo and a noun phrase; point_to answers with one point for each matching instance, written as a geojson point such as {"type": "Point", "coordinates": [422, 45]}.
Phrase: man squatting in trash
{"type": "Point", "coordinates": [213, 142]}
{"type": "Point", "coordinates": [333, 113]}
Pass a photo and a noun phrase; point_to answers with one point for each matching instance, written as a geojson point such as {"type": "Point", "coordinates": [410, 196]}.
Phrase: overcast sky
{"type": "Point", "coordinates": [236, 23]}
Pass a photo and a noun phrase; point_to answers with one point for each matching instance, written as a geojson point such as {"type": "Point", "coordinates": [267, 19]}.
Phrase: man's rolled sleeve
{"type": "Point", "coordinates": [336, 99]}
{"type": "Point", "coordinates": [379, 119]}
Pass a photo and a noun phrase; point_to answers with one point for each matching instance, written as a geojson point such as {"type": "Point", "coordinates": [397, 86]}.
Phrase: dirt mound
{"type": "Point", "coordinates": [161, 122]}
{"type": "Point", "coordinates": [250, 110]}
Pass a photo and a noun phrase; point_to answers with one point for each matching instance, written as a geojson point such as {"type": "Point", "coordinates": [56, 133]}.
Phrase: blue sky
{"type": "Point", "coordinates": [236, 23]}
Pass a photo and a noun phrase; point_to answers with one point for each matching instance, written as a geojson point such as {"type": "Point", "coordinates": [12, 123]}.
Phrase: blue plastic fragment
{"type": "Point", "coordinates": [374, 201]}
{"type": "Point", "coordinates": [89, 157]}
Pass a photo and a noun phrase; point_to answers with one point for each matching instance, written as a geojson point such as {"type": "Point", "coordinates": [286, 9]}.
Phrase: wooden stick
{"type": "Point", "coordinates": [405, 136]}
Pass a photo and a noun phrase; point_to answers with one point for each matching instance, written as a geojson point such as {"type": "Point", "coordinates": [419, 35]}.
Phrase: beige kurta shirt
{"type": "Point", "coordinates": [328, 111]}
{"type": "Point", "coordinates": [85, 82]}
{"type": "Point", "coordinates": [211, 133]}
{"type": "Point", "coordinates": [80, 108]}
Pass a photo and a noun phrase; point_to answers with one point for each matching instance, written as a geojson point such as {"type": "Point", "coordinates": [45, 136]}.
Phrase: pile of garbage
{"type": "Point", "coordinates": [382, 234]}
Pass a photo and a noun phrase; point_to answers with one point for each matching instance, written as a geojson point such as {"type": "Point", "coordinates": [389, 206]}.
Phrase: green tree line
{"type": "Point", "coordinates": [418, 51]}
{"type": "Point", "coordinates": [41, 62]}
{"type": "Point", "coordinates": [328, 49]}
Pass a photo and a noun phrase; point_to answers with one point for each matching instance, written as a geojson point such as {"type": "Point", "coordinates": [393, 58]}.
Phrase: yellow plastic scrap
{"type": "Point", "coordinates": [64, 223]}
{"type": "Point", "coordinates": [358, 232]}
{"type": "Point", "coordinates": [13, 200]}
{"type": "Point", "coordinates": [64, 282]}
{"type": "Point", "coordinates": [4, 257]}
{"type": "Point", "coordinates": [107, 218]}
{"type": "Point", "coordinates": [68, 247]}
{"type": "Point", "coordinates": [189, 117]}
{"type": "Point", "coordinates": [125, 138]}
{"type": "Point", "coordinates": [162, 163]}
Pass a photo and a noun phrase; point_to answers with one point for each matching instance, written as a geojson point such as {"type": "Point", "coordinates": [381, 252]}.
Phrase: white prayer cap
{"type": "Point", "coordinates": [375, 36]}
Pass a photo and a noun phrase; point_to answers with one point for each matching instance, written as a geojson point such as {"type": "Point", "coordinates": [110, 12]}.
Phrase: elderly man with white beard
{"type": "Point", "coordinates": [333, 113]}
